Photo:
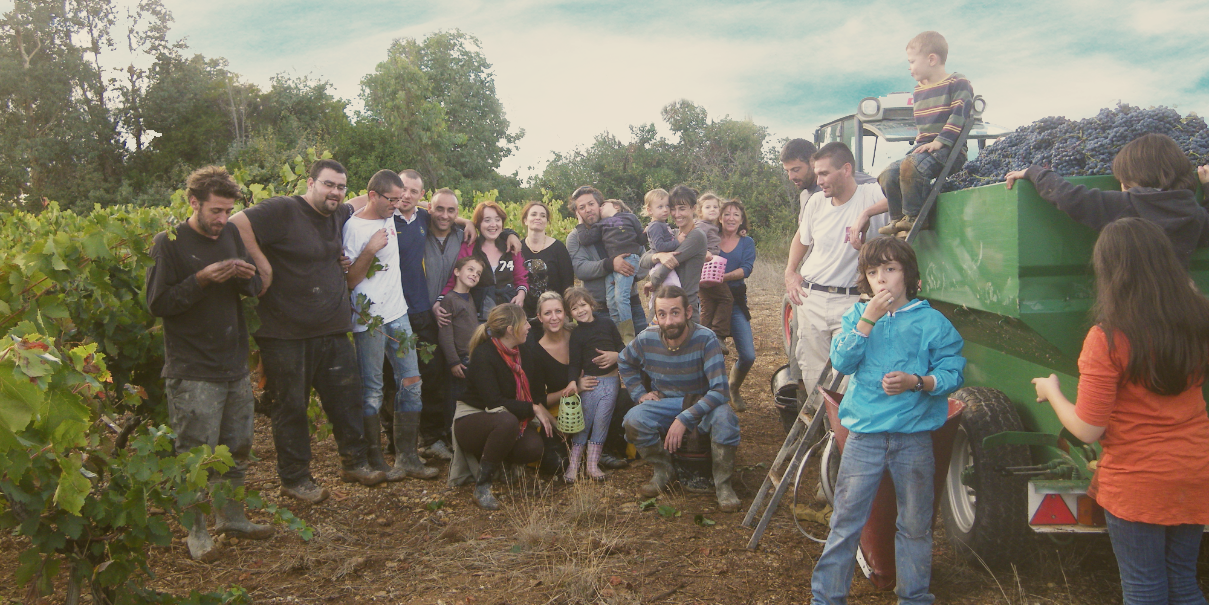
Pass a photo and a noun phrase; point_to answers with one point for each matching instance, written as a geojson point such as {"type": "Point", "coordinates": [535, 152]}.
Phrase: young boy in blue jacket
{"type": "Point", "coordinates": [904, 358]}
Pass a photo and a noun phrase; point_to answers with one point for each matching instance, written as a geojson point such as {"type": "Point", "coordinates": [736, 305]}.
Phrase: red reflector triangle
{"type": "Point", "coordinates": [1053, 511]}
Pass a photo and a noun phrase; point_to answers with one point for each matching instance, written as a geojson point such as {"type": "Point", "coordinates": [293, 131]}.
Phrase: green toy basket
{"type": "Point", "coordinates": [570, 415]}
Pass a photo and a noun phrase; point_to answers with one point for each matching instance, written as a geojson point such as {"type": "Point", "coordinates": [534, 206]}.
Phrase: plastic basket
{"type": "Point", "coordinates": [713, 271]}
{"type": "Point", "coordinates": [570, 415]}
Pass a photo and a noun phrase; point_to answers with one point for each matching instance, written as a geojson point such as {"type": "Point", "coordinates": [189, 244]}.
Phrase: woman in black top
{"type": "Point", "coordinates": [546, 258]}
{"type": "Point", "coordinates": [595, 335]}
{"type": "Point", "coordinates": [498, 417]}
{"type": "Point", "coordinates": [549, 346]}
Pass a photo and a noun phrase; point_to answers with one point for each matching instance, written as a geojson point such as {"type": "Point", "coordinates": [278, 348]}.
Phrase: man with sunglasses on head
{"type": "Point", "coordinates": [305, 316]}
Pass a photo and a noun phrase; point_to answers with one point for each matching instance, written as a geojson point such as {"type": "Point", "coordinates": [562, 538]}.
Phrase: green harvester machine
{"type": "Point", "coordinates": [1013, 273]}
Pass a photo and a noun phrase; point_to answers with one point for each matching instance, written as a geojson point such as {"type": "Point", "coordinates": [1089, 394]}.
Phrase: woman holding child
{"type": "Point", "coordinates": [498, 418]}
{"type": "Point", "coordinates": [689, 256]}
{"type": "Point", "coordinates": [550, 349]}
{"type": "Point", "coordinates": [546, 258]}
{"type": "Point", "coordinates": [740, 254]}
{"type": "Point", "coordinates": [505, 278]}
{"type": "Point", "coordinates": [1140, 395]}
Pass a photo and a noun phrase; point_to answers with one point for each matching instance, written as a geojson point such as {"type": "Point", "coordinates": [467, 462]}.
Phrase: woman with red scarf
{"type": "Point", "coordinates": [498, 417]}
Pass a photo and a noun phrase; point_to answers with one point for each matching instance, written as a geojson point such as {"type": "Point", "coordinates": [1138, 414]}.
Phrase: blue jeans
{"type": "Point", "coordinates": [646, 422]}
{"type": "Point", "coordinates": [1157, 562]}
{"type": "Point", "coordinates": [745, 344]}
{"type": "Point", "coordinates": [372, 346]}
{"type": "Point", "coordinates": [908, 457]}
{"type": "Point", "coordinates": [618, 288]}
{"type": "Point", "coordinates": [908, 181]}
{"type": "Point", "coordinates": [637, 313]}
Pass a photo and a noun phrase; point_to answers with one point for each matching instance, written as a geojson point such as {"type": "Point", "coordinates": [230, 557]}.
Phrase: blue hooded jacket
{"type": "Point", "coordinates": [915, 339]}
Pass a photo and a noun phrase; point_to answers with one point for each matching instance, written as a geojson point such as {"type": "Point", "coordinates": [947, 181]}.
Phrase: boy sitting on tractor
{"type": "Point", "coordinates": [942, 107]}
{"type": "Point", "coordinates": [904, 358]}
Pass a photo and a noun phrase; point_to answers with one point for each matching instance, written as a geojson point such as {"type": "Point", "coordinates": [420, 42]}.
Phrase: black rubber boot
{"type": "Point", "coordinates": [407, 459]}
{"type": "Point", "coordinates": [482, 486]}
{"type": "Point", "coordinates": [373, 451]}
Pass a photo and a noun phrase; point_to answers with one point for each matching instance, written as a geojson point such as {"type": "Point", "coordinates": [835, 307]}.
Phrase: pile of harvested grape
{"type": "Point", "coordinates": [1081, 148]}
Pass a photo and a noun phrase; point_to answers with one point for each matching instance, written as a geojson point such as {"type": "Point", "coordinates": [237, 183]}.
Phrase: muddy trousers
{"type": "Point", "coordinates": [292, 368]}
{"type": "Point", "coordinates": [495, 437]}
{"type": "Point", "coordinates": [213, 414]}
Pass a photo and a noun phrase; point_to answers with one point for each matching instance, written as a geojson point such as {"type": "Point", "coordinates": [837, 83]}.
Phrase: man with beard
{"type": "Point", "coordinates": [680, 358]}
{"type": "Point", "coordinates": [795, 159]}
{"type": "Point", "coordinates": [591, 265]}
{"type": "Point", "coordinates": [305, 318]}
{"type": "Point", "coordinates": [196, 285]}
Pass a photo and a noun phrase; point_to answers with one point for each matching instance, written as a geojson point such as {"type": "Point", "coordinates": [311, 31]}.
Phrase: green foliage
{"type": "Point", "coordinates": [703, 521]}
{"type": "Point", "coordinates": [79, 350]}
{"type": "Point", "coordinates": [729, 157]}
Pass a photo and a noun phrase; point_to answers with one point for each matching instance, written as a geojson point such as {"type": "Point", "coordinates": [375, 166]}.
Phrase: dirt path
{"type": "Point", "coordinates": [419, 542]}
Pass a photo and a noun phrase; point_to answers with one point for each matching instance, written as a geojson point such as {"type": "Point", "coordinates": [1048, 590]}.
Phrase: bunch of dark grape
{"type": "Point", "coordinates": [1081, 148]}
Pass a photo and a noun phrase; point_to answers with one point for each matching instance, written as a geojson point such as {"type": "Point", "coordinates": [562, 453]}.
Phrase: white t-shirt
{"type": "Point", "coordinates": [833, 260]}
{"type": "Point", "coordinates": [385, 288]}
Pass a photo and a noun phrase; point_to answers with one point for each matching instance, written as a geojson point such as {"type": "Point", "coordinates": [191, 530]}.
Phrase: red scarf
{"type": "Point", "coordinates": [512, 357]}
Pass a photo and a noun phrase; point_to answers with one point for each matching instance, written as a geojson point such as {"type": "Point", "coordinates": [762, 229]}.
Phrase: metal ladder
{"type": "Point", "coordinates": [808, 431]}
{"type": "Point", "coordinates": [926, 210]}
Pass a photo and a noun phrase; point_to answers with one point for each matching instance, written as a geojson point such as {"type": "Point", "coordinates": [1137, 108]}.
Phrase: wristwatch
{"type": "Point", "coordinates": [919, 384]}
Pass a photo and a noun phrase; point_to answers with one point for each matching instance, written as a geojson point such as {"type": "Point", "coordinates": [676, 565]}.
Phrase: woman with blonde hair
{"type": "Point", "coordinates": [498, 418]}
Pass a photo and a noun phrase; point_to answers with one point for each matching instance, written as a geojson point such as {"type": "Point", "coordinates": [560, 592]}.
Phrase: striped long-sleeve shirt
{"type": "Point", "coordinates": [941, 109]}
{"type": "Point", "coordinates": [697, 366]}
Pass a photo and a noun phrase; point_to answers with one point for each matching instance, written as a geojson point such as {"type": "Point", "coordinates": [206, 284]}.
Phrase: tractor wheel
{"type": "Point", "coordinates": [985, 512]}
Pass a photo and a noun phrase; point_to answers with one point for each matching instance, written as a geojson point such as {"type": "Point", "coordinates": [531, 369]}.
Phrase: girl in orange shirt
{"type": "Point", "coordinates": [1140, 378]}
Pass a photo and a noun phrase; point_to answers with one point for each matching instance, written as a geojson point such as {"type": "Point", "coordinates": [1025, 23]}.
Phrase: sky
{"type": "Point", "coordinates": [569, 71]}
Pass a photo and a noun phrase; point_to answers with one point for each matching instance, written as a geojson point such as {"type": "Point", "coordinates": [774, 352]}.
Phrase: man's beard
{"type": "Point", "coordinates": [672, 332]}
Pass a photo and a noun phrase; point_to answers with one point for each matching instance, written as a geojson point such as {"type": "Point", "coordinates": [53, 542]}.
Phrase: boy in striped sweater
{"type": "Point", "coordinates": [942, 107]}
{"type": "Point", "coordinates": [681, 358]}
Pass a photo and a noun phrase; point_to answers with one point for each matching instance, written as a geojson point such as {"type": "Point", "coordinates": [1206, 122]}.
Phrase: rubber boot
{"type": "Point", "coordinates": [231, 519]}
{"type": "Point", "coordinates": [201, 547]}
{"type": "Point", "coordinates": [736, 379]}
{"type": "Point", "coordinates": [626, 327]}
{"type": "Point", "coordinates": [724, 468]}
{"type": "Point", "coordinates": [373, 453]}
{"type": "Point", "coordinates": [577, 452]}
{"type": "Point", "coordinates": [661, 461]}
{"type": "Point", "coordinates": [592, 466]}
{"type": "Point", "coordinates": [482, 486]}
{"type": "Point", "coordinates": [407, 460]}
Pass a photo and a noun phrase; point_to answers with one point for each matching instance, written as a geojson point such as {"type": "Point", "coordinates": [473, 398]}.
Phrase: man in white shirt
{"type": "Point", "coordinates": [377, 298]}
{"type": "Point", "coordinates": [834, 223]}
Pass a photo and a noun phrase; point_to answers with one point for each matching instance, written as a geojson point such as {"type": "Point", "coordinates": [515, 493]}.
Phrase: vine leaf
{"type": "Point", "coordinates": [73, 485]}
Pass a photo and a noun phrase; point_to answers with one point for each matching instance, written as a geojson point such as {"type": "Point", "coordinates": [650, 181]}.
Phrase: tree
{"type": "Point", "coordinates": [436, 101]}
{"type": "Point", "coordinates": [727, 156]}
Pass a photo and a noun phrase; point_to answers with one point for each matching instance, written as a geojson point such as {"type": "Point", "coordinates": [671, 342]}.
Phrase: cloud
{"type": "Point", "coordinates": [567, 71]}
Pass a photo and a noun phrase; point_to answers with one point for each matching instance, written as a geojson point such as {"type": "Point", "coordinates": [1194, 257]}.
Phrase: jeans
{"type": "Point", "coordinates": [292, 368]}
{"type": "Point", "coordinates": [1157, 562]}
{"type": "Point", "coordinates": [647, 421]}
{"type": "Point", "coordinates": [213, 414]}
{"type": "Point", "coordinates": [908, 457]}
{"type": "Point", "coordinates": [637, 313]}
{"type": "Point", "coordinates": [908, 181]}
{"type": "Point", "coordinates": [618, 289]}
{"type": "Point", "coordinates": [598, 410]}
{"type": "Point", "coordinates": [740, 334]}
{"type": "Point", "coordinates": [372, 346]}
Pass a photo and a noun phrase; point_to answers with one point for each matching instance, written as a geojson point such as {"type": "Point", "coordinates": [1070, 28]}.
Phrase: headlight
{"type": "Point", "coordinates": [979, 106]}
{"type": "Point", "coordinates": [869, 107]}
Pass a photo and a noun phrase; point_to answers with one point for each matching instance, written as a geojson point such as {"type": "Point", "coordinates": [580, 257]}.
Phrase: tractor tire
{"type": "Point", "coordinates": [789, 335]}
{"type": "Point", "coordinates": [986, 518]}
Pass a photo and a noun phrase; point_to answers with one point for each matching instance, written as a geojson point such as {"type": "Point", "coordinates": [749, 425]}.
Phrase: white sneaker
{"type": "Point", "coordinates": [439, 450]}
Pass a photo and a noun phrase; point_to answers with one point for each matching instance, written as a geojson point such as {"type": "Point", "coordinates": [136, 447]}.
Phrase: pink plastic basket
{"type": "Point", "coordinates": [712, 272]}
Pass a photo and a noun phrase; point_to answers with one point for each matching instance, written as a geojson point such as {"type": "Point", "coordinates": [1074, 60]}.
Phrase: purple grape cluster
{"type": "Point", "coordinates": [1085, 147]}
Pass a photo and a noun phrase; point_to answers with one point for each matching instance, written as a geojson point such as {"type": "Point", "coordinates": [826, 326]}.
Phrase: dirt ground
{"type": "Point", "coordinates": [420, 542]}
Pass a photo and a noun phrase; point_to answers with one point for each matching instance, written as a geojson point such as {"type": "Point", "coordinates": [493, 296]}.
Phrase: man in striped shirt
{"type": "Point", "coordinates": [680, 358]}
{"type": "Point", "coordinates": [942, 107]}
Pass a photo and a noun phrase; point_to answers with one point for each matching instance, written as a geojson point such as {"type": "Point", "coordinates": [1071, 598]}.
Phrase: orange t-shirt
{"type": "Point", "coordinates": [1155, 464]}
